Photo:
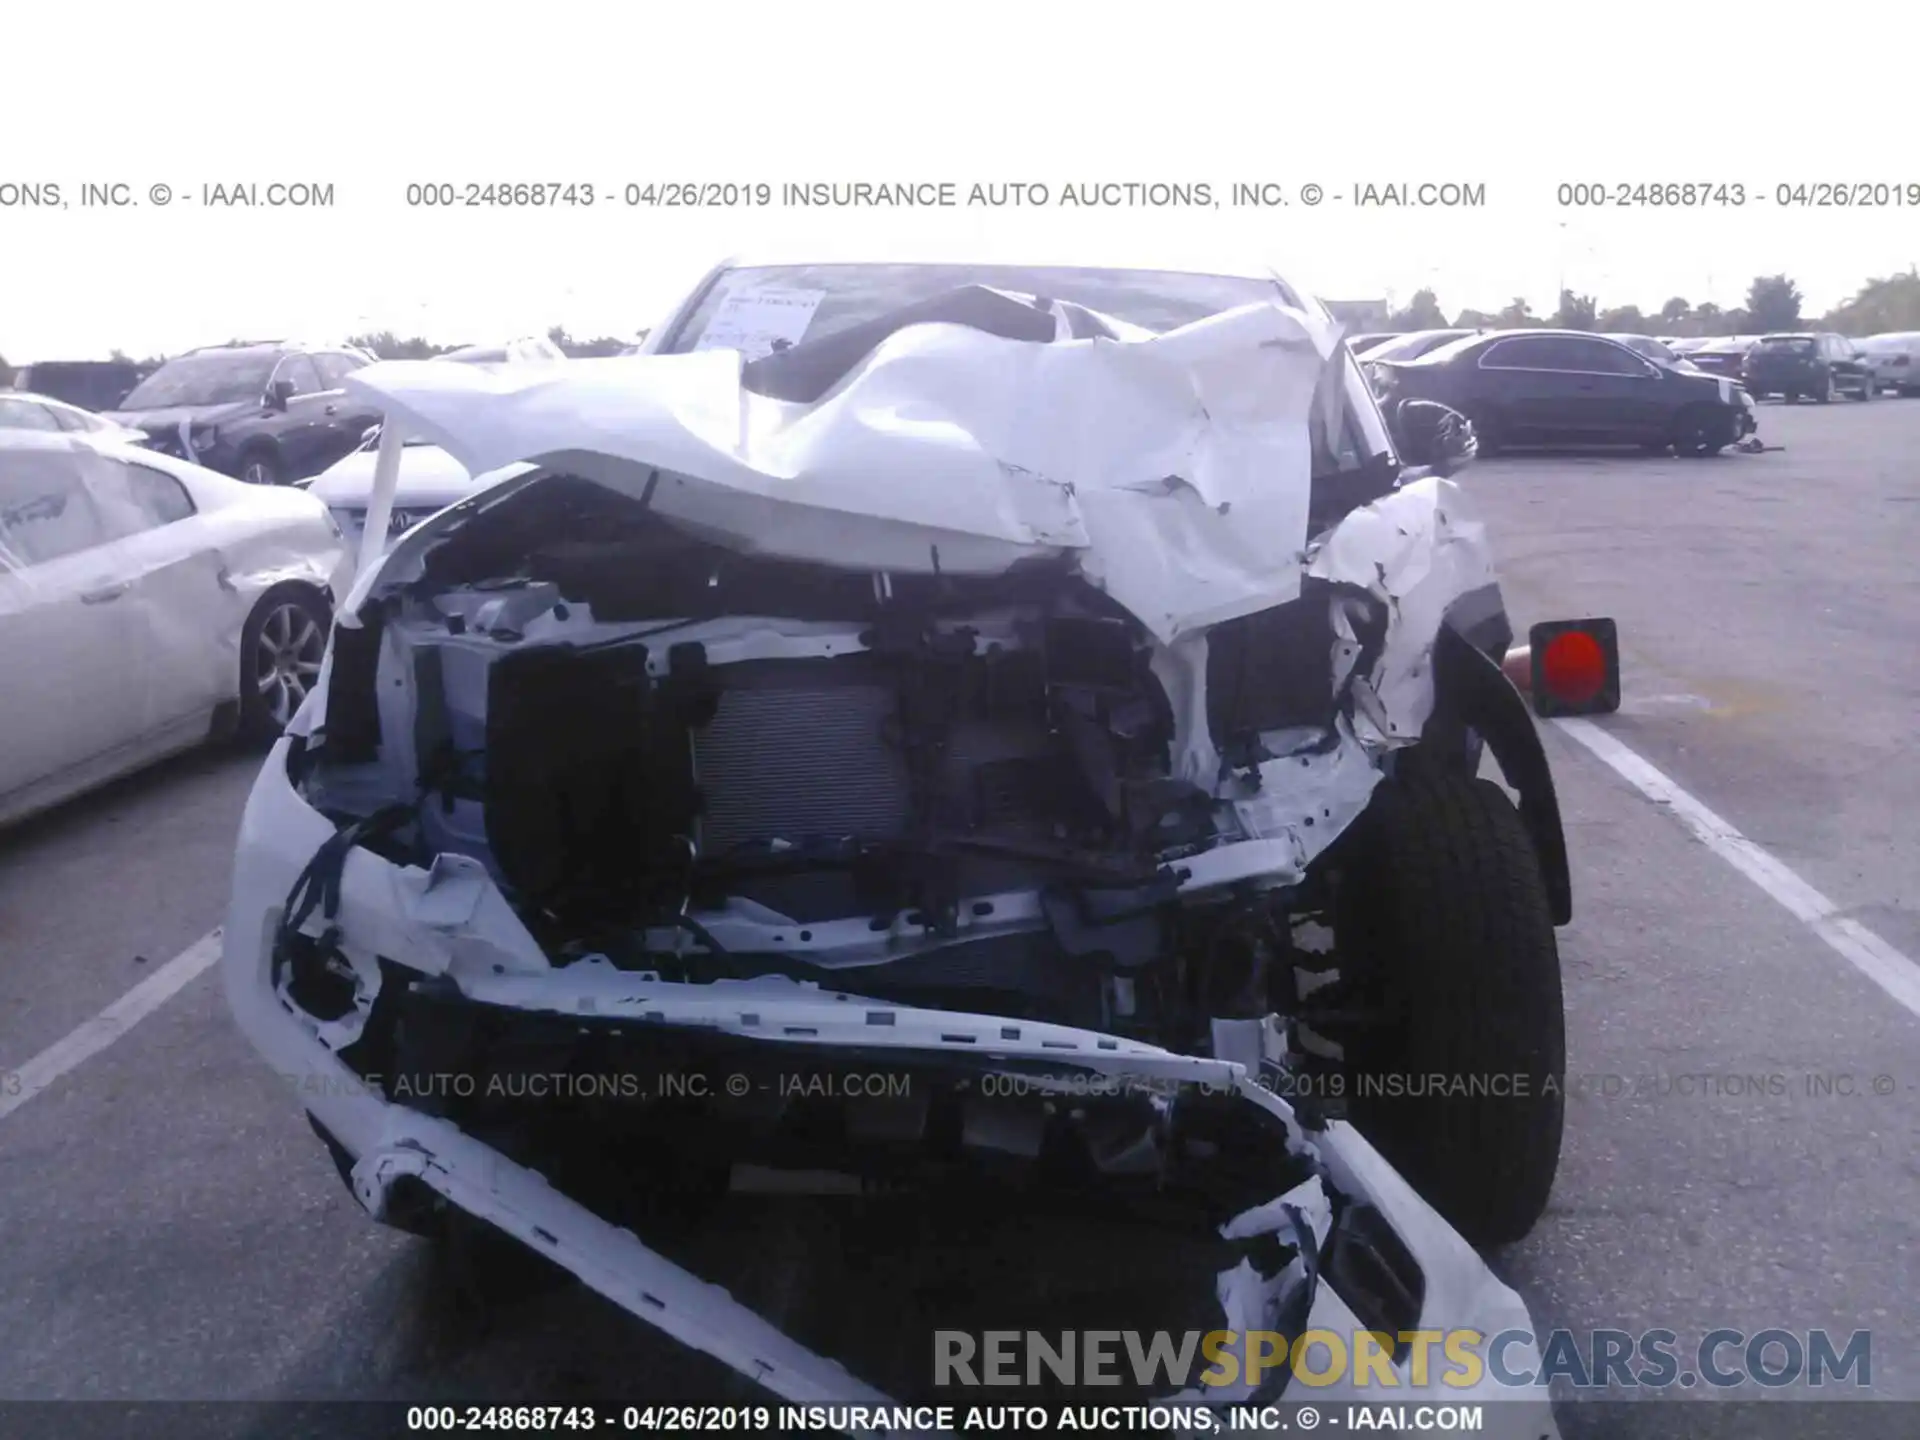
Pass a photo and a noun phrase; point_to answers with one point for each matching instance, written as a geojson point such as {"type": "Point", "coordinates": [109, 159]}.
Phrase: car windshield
{"type": "Point", "coordinates": [203, 380]}
{"type": "Point", "coordinates": [1439, 353]}
{"type": "Point", "coordinates": [835, 297]}
{"type": "Point", "coordinates": [1792, 344]}
{"type": "Point", "coordinates": [1649, 347]}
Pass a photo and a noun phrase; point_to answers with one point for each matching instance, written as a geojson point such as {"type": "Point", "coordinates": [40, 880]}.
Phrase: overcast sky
{"type": "Point", "coordinates": [372, 97]}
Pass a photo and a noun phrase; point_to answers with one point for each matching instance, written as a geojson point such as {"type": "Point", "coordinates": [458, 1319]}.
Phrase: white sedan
{"type": "Point", "coordinates": [430, 478]}
{"type": "Point", "coordinates": [23, 410]}
{"type": "Point", "coordinates": [146, 604]}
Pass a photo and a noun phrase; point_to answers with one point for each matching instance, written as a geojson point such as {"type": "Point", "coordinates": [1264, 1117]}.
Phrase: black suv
{"type": "Point", "coordinates": [1823, 366]}
{"type": "Point", "coordinates": [1532, 387]}
{"type": "Point", "coordinates": [264, 413]}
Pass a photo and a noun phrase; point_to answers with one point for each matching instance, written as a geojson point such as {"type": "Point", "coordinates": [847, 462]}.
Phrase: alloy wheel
{"type": "Point", "coordinates": [287, 659]}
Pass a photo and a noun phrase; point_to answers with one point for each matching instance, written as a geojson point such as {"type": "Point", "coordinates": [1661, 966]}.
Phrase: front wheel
{"type": "Point", "coordinates": [280, 652]}
{"type": "Point", "coordinates": [1444, 932]}
{"type": "Point", "coordinates": [1866, 391]}
{"type": "Point", "coordinates": [1699, 431]}
{"type": "Point", "coordinates": [260, 467]}
{"type": "Point", "coordinates": [1826, 391]}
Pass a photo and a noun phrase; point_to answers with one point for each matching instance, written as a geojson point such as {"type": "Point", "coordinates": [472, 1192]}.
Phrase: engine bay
{"type": "Point", "coordinates": [987, 793]}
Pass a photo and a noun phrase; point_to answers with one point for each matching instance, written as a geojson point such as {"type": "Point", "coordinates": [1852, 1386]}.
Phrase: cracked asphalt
{"type": "Point", "coordinates": [169, 1228]}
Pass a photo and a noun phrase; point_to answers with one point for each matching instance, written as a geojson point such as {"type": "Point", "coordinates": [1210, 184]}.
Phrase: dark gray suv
{"type": "Point", "coordinates": [1820, 366]}
{"type": "Point", "coordinates": [268, 414]}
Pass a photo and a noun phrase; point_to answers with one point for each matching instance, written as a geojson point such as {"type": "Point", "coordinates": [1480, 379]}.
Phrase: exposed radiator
{"type": "Point", "coordinates": [779, 763]}
{"type": "Point", "coordinates": [799, 749]}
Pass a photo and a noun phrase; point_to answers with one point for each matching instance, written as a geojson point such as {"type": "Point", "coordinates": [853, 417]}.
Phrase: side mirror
{"type": "Point", "coordinates": [278, 394]}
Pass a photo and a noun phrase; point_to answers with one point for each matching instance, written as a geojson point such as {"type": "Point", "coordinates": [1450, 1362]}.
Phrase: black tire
{"type": "Point", "coordinates": [1699, 431]}
{"type": "Point", "coordinates": [281, 647]}
{"type": "Point", "coordinates": [261, 466]}
{"type": "Point", "coordinates": [1444, 931]}
{"type": "Point", "coordinates": [1792, 397]}
{"type": "Point", "coordinates": [1827, 392]}
{"type": "Point", "coordinates": [1866, 391]}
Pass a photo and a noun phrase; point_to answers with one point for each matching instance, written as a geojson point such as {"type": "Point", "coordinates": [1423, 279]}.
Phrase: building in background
{"type": "Point", "coordinates": [90, 384]}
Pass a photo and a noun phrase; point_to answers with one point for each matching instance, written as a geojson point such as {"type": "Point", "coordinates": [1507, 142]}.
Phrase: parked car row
{"type": "Point", "coordinates": [158, 581]}
{"type": "Point", "coordinates": [1799, 365]}
{"type": "Point", "coordinates": [1527, 387]}
{"type": "Point", "coordinates": [268, 413]}
{"type": "Point", "coordinates": [1812, 364]}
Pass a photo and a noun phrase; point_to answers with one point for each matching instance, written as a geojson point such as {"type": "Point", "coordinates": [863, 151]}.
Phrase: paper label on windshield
{"type": "Point", "coordinates": [753, 320]}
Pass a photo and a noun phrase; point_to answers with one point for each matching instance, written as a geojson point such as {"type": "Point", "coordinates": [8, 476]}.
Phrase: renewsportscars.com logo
{"type": "Point", "coordinates": [1458, 1359]}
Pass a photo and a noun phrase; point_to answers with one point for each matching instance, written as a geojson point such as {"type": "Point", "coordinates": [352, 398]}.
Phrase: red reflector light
{"type": "Point", "coordinates": [1574, 668]}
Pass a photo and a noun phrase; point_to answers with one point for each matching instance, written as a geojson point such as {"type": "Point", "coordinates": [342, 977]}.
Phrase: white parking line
{"type": "Point", "coordinates": [1873, 957]}
{"type": "Point", "coordinates": [95, 1035]}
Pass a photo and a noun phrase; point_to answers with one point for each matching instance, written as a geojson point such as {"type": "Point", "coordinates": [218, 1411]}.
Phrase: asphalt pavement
{"type": "Point", "coordinates": [1741, 1138]}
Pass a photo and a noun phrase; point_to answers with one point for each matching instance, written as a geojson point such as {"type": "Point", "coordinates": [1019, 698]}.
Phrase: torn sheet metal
{"type": "Point", "coordinates": [1416, 551]}
{"type": "Point", "coordinates": [392, 1142]}
{"type": "Point", "coordinates": [1168, 465]}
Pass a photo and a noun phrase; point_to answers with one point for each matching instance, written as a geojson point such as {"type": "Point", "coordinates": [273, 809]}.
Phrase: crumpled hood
{"type": "Point", "coordinates": [1175, 467]}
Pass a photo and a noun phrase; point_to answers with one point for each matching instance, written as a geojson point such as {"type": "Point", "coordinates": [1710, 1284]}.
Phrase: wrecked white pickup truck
{"type": "Point", "coordinates": [1008, 737]}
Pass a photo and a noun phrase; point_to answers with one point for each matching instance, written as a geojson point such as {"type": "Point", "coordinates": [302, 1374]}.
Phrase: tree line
{"type": "Point", "coordinates": [1773, 303]}
{"type": "Point", "coordinates": [386, 345]}
{"type": "Point", "coordinates": [389, 346]}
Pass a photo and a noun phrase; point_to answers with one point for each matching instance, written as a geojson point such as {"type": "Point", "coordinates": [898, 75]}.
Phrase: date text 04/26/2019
{"type": "Point", "coordinates": [1736, 195]}
{"type": "Point", "coordinates": [923, 1419]}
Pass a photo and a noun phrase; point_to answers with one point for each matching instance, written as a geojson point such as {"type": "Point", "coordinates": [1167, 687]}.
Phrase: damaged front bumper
{"type": "Point", "coordinates": [451, 925]}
